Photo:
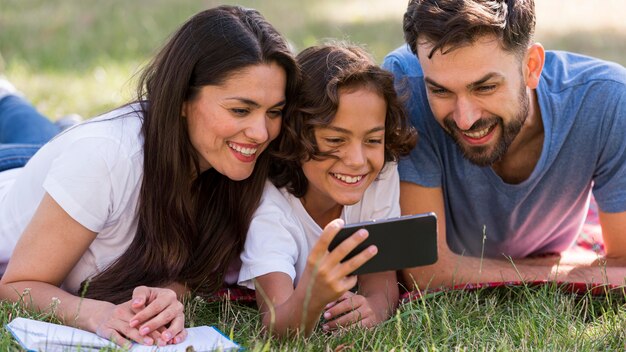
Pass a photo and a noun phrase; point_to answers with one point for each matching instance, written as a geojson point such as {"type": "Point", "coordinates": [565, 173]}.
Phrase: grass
{"type": "Point", "coordinates": [542, 318]}
{"type": "Point", "coordinates": [79, 56]}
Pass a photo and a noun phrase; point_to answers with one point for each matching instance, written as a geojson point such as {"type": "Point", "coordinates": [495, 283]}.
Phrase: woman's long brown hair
{"type": "Point", "coordinates": [191, 228]}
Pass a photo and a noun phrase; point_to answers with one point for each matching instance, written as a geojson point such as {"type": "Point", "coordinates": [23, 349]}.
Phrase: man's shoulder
{"type": "Point", "coordinates": [572, 69]}
{"type": "Point", "coordinates": [403, 61]}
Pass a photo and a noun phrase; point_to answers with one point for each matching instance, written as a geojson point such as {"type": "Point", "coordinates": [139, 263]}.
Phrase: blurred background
{"type": "Point", "coordinates": [80, 56]}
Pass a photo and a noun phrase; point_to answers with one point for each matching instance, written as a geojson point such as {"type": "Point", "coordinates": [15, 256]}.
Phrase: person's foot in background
{"type": "Point", "coordinates": [63, 123]}
{"type": "Point", "coordinates": [6, 88]}
{"type": "Point", "coordinates": [68, 121]}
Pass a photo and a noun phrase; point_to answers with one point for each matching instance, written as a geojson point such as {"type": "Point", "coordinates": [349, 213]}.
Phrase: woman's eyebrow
{"type": "Point", "coordinates": [253, 103]}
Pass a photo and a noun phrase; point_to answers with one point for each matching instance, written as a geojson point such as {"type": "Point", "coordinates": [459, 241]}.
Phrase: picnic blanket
{"type": "Point", "coordinates": [588, 241]}
{"type": "Point", "coordinates": [590, 238]}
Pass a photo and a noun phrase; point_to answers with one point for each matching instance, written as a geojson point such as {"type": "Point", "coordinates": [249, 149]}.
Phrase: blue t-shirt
{"type": "Point", "coordinates": [583, 108]}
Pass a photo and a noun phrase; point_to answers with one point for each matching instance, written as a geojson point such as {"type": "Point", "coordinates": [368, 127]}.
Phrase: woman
{"type": "Point", "coordinates": [154, 198]}
{"type": "Point", "coordinates": [335, 161]}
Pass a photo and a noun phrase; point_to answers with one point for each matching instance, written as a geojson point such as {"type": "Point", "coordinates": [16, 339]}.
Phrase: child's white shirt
{"type": "Point", "coordinates": [282, 233]}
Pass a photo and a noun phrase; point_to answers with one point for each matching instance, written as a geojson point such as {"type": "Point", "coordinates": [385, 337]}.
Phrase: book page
{"type": "Point", "coordinates": [36, 335]}
{"type": "Point", "coordinates": [202, 338]}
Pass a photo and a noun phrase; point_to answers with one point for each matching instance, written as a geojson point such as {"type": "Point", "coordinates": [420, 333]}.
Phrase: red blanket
{"type": "Point", "coordinates": [589, 241]}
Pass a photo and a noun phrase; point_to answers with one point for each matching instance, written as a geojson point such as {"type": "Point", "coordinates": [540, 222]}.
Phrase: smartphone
{"type": "Point", "coordinates": [403, 242]}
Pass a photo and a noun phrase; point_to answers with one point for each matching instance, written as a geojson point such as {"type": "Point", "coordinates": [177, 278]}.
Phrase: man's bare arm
{"type": "Point", "coordinates": [452, 269]}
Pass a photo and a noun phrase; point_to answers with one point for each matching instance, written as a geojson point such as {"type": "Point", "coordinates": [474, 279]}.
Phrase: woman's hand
{"type": "Point", "coordinates": [158, 309]}
{"type": "Point", "coordinates": [53, 230]}
{"type": "Point", "coordinates": [350, 310]}
{"type": "Point", "coordinates": [153, 315]}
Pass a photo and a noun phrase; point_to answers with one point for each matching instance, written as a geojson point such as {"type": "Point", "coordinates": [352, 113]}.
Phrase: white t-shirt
{"type": "Point", "coordinates": [94, 172]}
{"type": "Point", "coordinates": [282, 233]}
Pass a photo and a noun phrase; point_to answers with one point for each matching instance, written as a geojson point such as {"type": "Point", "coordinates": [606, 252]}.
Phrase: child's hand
{"type": "Point", "coordinates": [325, 275]}
{"type": "Point", "coordinates": [350, 310]}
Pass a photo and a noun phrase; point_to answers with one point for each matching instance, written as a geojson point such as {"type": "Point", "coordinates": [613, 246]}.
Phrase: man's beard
{"type": "Point", "coordinates": [487, 155]}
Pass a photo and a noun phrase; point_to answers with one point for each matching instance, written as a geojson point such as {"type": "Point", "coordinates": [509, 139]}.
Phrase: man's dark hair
{"type": "Point", "coordinates": [451, 24]}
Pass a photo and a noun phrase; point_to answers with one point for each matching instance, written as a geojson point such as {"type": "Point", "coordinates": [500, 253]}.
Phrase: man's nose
{"type": "Point", "coordinates": [466, 113]}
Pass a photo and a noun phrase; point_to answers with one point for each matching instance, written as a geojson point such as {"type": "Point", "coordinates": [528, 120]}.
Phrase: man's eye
{"type": "Point", "coordinates": [486, 89]}
{"type": "Point", "coordinates": [438, 91]}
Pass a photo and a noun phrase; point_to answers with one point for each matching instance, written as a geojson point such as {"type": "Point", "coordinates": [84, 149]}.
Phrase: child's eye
{"type": "Point", "coordinates": [333, 140]}
{"type": "Point", "coordinates": [375, 141]}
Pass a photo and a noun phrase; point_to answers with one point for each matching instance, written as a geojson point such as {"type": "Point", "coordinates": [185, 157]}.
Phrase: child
{"type": "Point", "coordinates": [334, 162]}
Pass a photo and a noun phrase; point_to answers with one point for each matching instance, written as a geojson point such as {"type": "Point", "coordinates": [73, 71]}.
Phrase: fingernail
{"type": "Point", "coordinates": [137, 301]}
{"type": "Point", "coordinates": [373, 249]}
{"type": "Point", "coordinates": [167, 336]}
{"type": "Point", "coordinates": [148, 341]}
{"type": "Point", "coordinates": [325, 328]}
{"type": "Point", "coordinates": [144, 330]}
{"type": "Point", "coordinates": [363, 233]}
{"type": "Point", "coordinates": [161, 343]}
{"type": "Point", "coordinates": [133, 323]}
{"type": "Point", "coordinates": [327, 315]}
{"type": "Point", "coordinates": [177, 339]}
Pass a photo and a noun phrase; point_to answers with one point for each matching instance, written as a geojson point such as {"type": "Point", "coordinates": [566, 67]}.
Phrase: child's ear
{"type": "Point", "coordinates": [533, 64]}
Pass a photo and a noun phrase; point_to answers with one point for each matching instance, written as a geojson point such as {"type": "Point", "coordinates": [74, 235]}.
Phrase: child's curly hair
{"type": "Point", "coordinates": [326, 69]}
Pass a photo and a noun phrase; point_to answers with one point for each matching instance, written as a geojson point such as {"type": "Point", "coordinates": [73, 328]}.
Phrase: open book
{"type": "Point", "coordinates": [36, 335]}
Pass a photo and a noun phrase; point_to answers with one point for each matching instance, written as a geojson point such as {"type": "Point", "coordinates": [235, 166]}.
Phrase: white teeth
{"type": "Point", "coordinates": [478, 134]}
{"type": "Point", "coordinates": [347, 179]}
{"type": "Point", "coordinates": [244, 151]}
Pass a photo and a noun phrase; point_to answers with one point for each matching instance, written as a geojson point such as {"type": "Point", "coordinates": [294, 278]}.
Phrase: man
{"type": "Point", "coordinates": [513, 139]}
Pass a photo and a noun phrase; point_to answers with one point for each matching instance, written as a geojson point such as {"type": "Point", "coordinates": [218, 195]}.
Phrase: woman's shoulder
{"type": "Point", "coordinates": [118, 131]}
{"type": "Point", "coordinates": [106, 146]}
{"type": "Point", "coordinates": [121, 124]}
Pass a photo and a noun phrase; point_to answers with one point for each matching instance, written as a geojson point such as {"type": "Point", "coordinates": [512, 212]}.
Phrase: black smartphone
{"type": "Point", "coordinates": [404, 242]}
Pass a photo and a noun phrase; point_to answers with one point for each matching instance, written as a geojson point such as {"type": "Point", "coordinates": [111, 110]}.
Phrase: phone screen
{"type": "Point", "coordinates": [402, 242]}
